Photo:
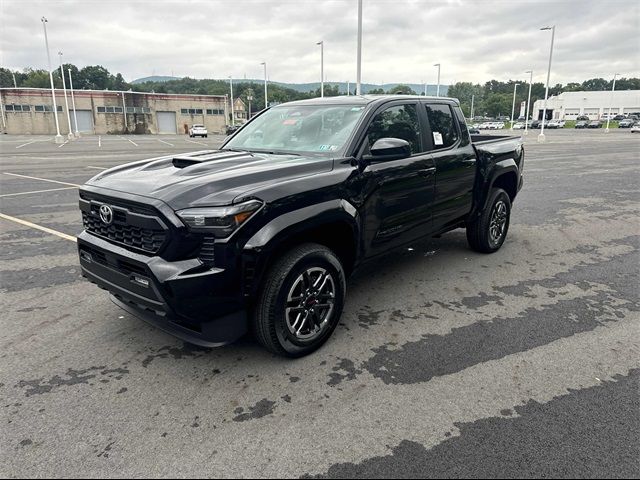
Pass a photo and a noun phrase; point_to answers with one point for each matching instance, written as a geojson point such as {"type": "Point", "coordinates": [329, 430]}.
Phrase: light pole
{"type": "Point", "coordinates": [66, 101]}
{"type": "Point", "coordinates": [438, 88]}
{"type": "Point", "coordinates": [348, 87]}
{"type": "Point", "coordinates": [249, 94]}
{"type": "Point", "coordinates": [15, 85]}
{"type": "Point", "coordinates": [266, 103]}
{"type": "Point", "coordinates": [233, 116]}
{"type": "Point", "coordinates": [541, 137]}
{"type": "Point", "coordinates": [58, 138]}
{"type": "Point", "coordinates": [473, 97]}
{"type": "Point", "coordinates": [321, 43]}
{"type": "Point", "coordinates": [613, 88]}
{"type": "Point", "coordinates": [526, 115]}
{"type": "Point", "coordinates": [73, 102]}
{"type": "Point", "coordinates": [359, 56]}
{"type": "Point", "coordinates": [513, 106]}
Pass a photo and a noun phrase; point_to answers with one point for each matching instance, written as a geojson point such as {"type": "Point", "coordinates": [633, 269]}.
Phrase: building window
{"type": "Point", "coordinates": [138, 110]}
{"type": "Point", "coordinates": [17, 108]}
{"type": "Point", "coordinates": [191, 111]}
{"type": "Point", "coordinates": [214, 111]}
{"type": "Point", "coordinates": [110, 109]}
{"type": "Point", "coordinates": [46, 108]}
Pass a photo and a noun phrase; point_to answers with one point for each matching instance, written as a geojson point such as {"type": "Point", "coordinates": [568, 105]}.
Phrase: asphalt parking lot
{"type": "Point", "coordinates": [524, 363]}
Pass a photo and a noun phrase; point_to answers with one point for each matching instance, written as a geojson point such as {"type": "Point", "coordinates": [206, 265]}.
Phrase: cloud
{"type": "Point", "coordinates": [473, 40]}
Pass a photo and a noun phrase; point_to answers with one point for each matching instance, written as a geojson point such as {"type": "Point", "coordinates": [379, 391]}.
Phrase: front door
{"type": "Point", "coordinates": [397, 194]}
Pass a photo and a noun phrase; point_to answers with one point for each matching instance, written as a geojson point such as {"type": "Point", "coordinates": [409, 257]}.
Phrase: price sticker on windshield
{"type": "Point", "coordinates": [437, 138]}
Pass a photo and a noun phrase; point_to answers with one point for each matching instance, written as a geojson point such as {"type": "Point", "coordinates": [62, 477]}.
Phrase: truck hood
{"type": "Point", "coordinates": [208, 178]}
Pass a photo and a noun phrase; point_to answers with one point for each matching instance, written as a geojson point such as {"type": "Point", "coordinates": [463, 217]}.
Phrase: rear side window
{"type": "Point", "coordinates": [443, 128]}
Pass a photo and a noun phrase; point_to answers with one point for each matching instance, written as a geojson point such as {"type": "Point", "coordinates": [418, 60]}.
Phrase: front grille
{"type": "Point", "coordinates": [134, 227]}
{"type": "Point", "coordinates": [141, 238]}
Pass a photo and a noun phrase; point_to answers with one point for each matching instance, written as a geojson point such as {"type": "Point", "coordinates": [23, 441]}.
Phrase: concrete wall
{"type": "Point", "coordinates": [43, 123]}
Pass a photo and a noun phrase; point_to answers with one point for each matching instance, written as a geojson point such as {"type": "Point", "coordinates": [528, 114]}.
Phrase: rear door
{"type": "Point", "coordinates": [398, 194]}
{"type": "Point", "coordinates": [455, 162]}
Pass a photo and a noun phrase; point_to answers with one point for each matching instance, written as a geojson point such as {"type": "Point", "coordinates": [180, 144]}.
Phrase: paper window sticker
{"type": "Point", "coordinates": [437, 138]}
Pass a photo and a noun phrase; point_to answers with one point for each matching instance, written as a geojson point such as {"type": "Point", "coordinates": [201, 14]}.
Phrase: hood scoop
{"type": "Point", "coordinates": [189, 159]}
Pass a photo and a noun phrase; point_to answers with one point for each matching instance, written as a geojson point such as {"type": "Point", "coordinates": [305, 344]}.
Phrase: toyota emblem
{"type": "Point", "coordinates": [106, 214]}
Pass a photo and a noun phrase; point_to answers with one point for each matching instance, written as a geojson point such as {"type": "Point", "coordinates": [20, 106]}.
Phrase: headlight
{"type": "Point", "coordinates": [219, 221]}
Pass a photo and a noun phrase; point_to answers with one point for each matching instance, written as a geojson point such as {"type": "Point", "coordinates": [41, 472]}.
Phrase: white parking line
{"type": "Point", "coordinates": [28, 143]}
{"type": "Point", "coordinates": [99, 141]}
{"type": "Point", "coordinates": [193, 141]}
{"type": "Point", "coordinates": [97, 168]}
{"type": "Point", "coordinates": [43, 179]}
{"type": "Point", "coordinates": [38, 227]}
{"type": "Point", "coordinates": [128, 140]}
{"type": "Point", "coordinates": [62, 145]}
{"type": "Point", "coordinates": [171, 144]}
{"type": "Point", "coordinates": [37, 191]}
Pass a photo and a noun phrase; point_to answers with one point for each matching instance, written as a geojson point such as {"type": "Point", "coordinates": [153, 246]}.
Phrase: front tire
{"type": "Point", "coordinates": [301, 301]}
{"type": "Point", "coordinates": [487, 233]}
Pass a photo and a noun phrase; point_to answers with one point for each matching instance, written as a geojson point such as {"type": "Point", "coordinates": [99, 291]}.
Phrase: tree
{"type": "Point", "coordinates": [595, 84]}
{"type": "Point", "coordinates": [401, 90]}
{"type": "Point", "coordinates": [94, 77]}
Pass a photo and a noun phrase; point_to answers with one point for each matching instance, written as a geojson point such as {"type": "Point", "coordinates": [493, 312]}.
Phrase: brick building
{"type": "Point", "coordinates": [30, 111]}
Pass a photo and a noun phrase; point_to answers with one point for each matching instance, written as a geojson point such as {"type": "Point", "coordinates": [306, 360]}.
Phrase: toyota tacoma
{"type": "Point", "coordinates": [261, 235]}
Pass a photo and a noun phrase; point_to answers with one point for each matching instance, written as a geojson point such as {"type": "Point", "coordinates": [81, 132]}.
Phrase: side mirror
{"type": "Point", "coordinates": [385, 149]}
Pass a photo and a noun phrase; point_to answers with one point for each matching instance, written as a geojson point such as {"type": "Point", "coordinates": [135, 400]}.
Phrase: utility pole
{"type": "Point", "coordinates": [266, 102]}
{"type": "Point", "coordinates": [541, 137]}
{"type": "Point", "coordinates": [233, 116]}
{"type": "Point", "coordinates": [321, 43]}
{"type": "Point", "coordinates": [473, 97]}
{"type": "Point", "coordinates": [66, 101]}
{"type": "Point", "coordinates": [610, 102]}
{"type": "Point", "coordinates": [58, 138]}
{"type": "Point", "coordinates": [73, 102]}
{"type": "Point", "coordinates": [526, 115]}
{"type": "Point", "coordinates": [513, 106]}
{"type": "Point", "coordinates": [359, 56]}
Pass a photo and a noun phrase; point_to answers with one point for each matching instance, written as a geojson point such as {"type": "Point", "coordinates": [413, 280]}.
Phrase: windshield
{"type": "Point", "coordinates": [302, 128]}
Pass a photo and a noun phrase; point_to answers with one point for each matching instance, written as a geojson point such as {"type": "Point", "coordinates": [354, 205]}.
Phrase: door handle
{"type": "Point", "coordinates": [427, 172]}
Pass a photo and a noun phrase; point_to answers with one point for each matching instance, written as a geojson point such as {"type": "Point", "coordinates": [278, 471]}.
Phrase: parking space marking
{"type": "Point", "coordinates": [63, 144]}
{"type": "Point", "coordinates": [28, 143]}
{"type": "Point", "coordinates": [99, 141]}
{"type": "Point", "coordinates": [128, 140]}
{"type": "Point", "coordinates": [199, 143]}
{"type": "Point", "coordinates": [171, 144]}
{"type": "Point", "coordinates": [38, 191]}
{"type": "Point", "coordinates": [43, 179]}
{"type": "Point", "coordinates": [97, 168]}
{"type": "Point", "coordinates": [38, 227]}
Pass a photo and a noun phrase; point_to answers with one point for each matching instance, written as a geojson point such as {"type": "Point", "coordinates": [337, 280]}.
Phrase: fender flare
{"type": "Point", "coordinates": [500, 168]}
{"type": "Point", "coordinates": [303, 219]}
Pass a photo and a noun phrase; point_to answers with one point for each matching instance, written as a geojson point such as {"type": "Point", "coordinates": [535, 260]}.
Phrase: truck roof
{"type": "Point", "coordinates": [365, 99]}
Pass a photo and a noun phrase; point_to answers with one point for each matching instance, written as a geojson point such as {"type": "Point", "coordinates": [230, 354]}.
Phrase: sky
{"type": "Point", "coordinates": [474, 41]}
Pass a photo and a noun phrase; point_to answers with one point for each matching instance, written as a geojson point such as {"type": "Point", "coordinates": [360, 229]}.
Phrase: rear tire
{"type": "Point", "coordinates": [300, 302]}
{"type": "Point", "coordinates": [487, 233]}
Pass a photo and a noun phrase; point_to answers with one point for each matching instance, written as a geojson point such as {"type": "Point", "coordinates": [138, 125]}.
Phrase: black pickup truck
{"type": "Point", "coordinates": [262, 234]}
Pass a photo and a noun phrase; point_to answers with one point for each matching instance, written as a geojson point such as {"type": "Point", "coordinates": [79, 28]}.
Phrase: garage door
{"type": "Point", "coordinates": [167, 122]}
{"type": "Point", "coordinates": [85, 121]}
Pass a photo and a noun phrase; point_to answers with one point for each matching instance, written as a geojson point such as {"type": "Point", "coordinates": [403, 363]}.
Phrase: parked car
{"type": "Point", "coordinates": [232, 129]}
{"type": "Point", "coordinates": [582, 124]}
{"type": "Point", "coordinates": [619, 117]}
{"type": "Point", "coordinates": [198, 131]}
{"type": "Point", "coordinates": [555, 124]}
{"type": "Point", "coordinates": [635, 128]}
{"type": "Point", "coordinates": [595, 124]}
{"type": "Point", "coordinates": [626, 123]}
{"type": "Point", "coordinates": [518, 126]}
{"type": "Point", "coordinates": [262, 234]}
{"type": "Point", "coordinates": [583, 118]}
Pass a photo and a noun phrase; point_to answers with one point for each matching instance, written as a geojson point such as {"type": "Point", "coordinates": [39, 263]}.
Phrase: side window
{"type": "Point", "coordinates": [399, 121]}
{"type": "Point", "coordinates": [443, 128]}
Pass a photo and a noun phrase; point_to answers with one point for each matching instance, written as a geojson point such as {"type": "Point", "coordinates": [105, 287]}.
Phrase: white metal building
{"type": "Point", "coordinates": [570, 105]}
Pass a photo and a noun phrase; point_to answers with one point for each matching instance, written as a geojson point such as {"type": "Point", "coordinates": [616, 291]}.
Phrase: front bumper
{"type": "Point", "coordinates": [199, 304]}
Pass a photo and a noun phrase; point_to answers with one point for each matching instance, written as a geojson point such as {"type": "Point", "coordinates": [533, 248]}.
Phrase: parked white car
{"type": "Point", "coordinates": [198, 131]}
{"type": "Point", "coordinates": [518, 126]}
{"type": "Point", "coordinates": [635, 128]}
